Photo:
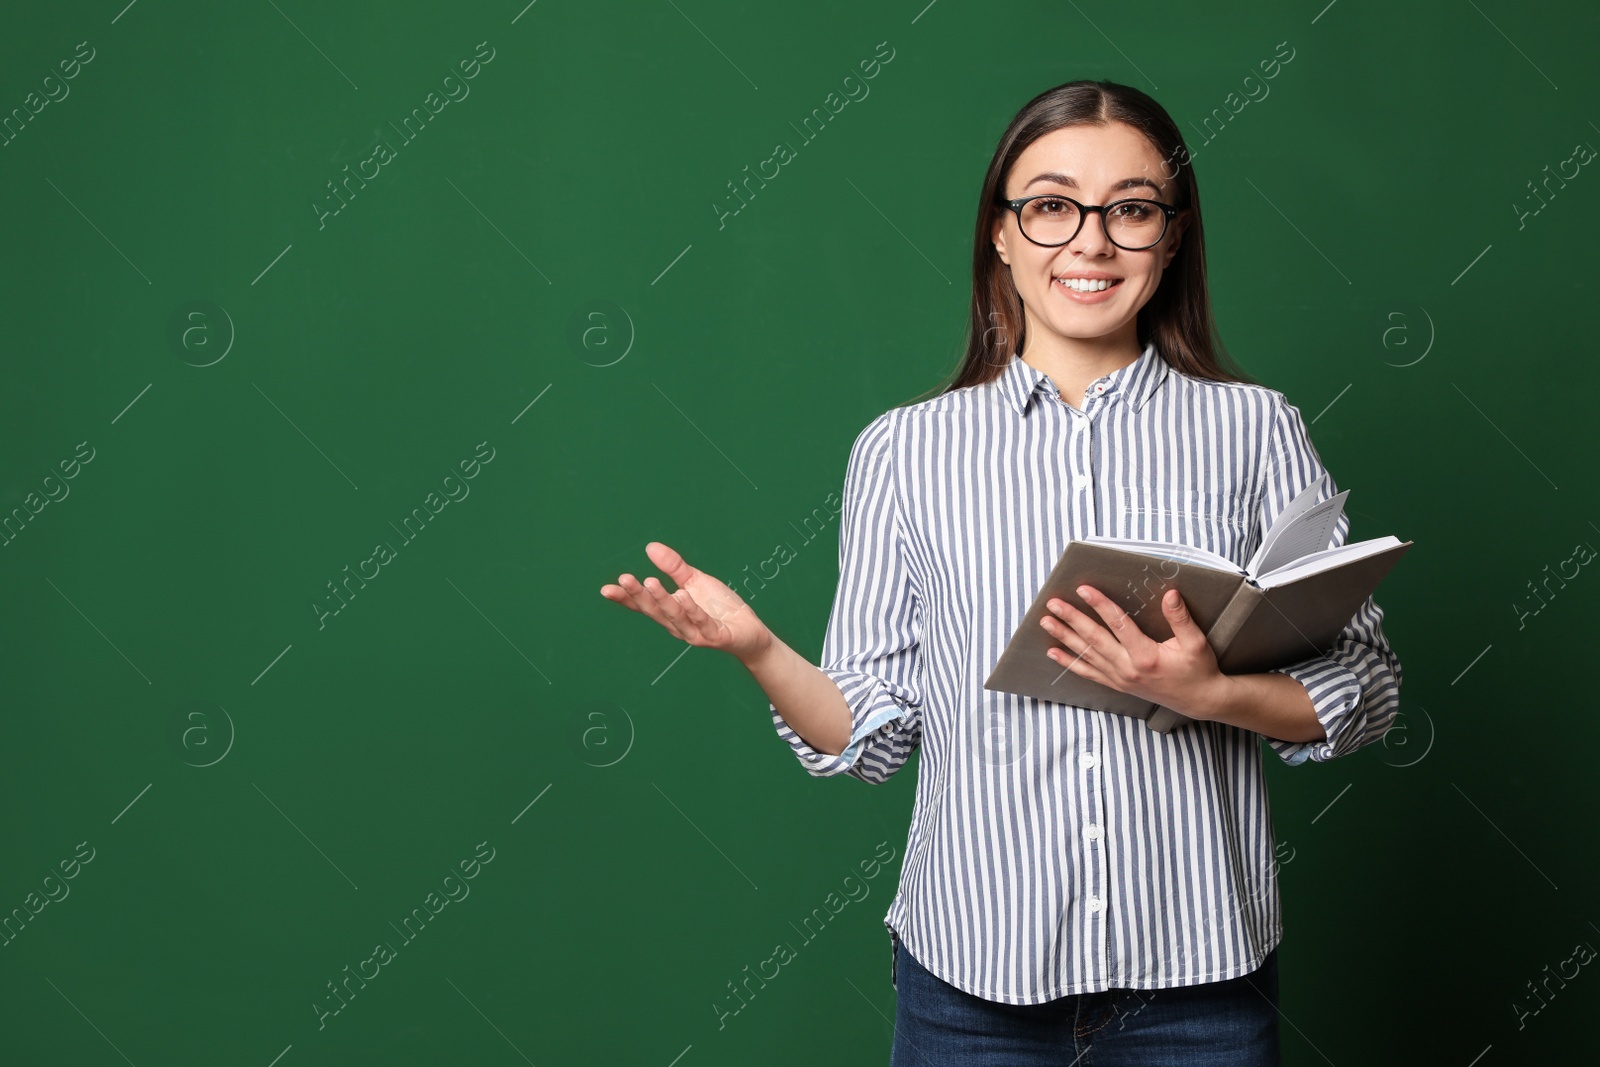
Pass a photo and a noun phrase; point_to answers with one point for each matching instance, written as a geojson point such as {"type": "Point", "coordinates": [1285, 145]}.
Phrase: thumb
{"type": "Point", "coordinates": [671, 563]}
{"type": "Point", "coordinates": [1177, 612]}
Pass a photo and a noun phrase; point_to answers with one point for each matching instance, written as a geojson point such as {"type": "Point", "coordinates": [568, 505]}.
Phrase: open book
{"type": "Point", "coordinates": [1288, 604]}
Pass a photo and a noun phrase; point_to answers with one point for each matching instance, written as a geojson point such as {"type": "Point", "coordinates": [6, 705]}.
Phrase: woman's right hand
{"type": "Point", "coordinates": [702, 611]}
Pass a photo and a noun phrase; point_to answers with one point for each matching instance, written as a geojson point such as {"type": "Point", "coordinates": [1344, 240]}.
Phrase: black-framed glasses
{"type": "Point", "coordinates": [1051, 219]}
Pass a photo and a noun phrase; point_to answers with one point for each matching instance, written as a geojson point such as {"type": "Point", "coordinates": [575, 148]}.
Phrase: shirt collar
{"type": "Point", "coordinates": [1020, 382]}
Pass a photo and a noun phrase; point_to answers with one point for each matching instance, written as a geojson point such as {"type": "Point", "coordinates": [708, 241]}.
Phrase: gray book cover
{"type": "Point", "coordinates": [1254, 621]}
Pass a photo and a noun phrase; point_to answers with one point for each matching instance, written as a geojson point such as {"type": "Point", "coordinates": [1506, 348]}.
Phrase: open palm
{"type": "Point", "coordinates": [702, 610]}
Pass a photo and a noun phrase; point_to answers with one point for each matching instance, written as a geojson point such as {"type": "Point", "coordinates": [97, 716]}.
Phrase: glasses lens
{"type": "Point", "coordinates": [1050, 220]}
{"type": "Point", "coordinates": [1136, 223]}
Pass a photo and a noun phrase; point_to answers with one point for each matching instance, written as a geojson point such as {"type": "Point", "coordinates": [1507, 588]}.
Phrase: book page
{"type": "Point", "coordinates": [1170, 550]}
{"type": "Point", "coordinates": [1301, 529]}
{"type": "Point", "coordinates": [1326, 559]}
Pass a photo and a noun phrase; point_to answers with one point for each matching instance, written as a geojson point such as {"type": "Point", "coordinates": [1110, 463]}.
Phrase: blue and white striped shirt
{"type": "Point", "coordinates": [1055, 849]}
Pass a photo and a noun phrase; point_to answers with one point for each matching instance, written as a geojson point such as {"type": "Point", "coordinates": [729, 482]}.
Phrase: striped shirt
{"type": "Point", "coordinates": [1054, 849]}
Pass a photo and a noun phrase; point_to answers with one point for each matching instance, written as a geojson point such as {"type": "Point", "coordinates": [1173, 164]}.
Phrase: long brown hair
{"type": "Point", "coordinates": [1177, 318]}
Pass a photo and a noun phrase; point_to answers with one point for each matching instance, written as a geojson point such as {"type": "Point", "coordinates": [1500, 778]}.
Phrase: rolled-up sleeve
{"type": "Point", "coordinates": [1355, 687]}
{"type": "Point", "coordinates": [871, 648]}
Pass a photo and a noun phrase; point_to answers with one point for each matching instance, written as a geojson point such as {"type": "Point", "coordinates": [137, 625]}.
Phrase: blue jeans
{"type": "Point", "coordinates": [1232, 1023]}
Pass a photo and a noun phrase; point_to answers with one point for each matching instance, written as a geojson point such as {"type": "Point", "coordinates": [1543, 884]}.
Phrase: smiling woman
{"type": "Point", "coordinates": [1084, 859]}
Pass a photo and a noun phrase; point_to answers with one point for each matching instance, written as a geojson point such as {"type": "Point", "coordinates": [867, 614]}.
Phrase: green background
{"type": "Point", "coordinates": [543, 268]}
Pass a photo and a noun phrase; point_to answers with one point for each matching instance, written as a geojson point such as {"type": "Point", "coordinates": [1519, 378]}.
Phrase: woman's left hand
{"type": "Point", "coordinates": [1180, 673]}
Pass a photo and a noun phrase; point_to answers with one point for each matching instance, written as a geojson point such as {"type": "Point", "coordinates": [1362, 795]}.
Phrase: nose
{"type": "Point", "coordinates": [1091, 238]}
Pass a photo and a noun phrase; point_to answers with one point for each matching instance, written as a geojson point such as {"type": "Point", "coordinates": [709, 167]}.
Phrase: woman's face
{"type": "Point", "coordinates": [1094, 165]}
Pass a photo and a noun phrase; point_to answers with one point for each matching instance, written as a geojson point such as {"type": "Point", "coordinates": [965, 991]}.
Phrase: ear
{"type": "Point", "coordinates": [997, 234]}
{"type": "Point", "coordinates": [1175, 236]}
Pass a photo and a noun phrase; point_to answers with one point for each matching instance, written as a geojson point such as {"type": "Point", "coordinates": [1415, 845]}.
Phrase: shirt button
{"type": "Point", "coordinates": [1094, 903]}
{"type": "Point", "coordinates": [1092, 833]}
{"type": "Point", "coordinates": [1088, 759]}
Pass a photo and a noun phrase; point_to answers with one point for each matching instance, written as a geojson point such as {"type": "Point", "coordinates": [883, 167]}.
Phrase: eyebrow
{"type": "Point", "coordinates": [1071, 182]}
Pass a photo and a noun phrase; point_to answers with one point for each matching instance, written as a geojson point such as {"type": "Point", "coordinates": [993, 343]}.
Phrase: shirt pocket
{"type": "Point", "coordinates": [1214, 521]}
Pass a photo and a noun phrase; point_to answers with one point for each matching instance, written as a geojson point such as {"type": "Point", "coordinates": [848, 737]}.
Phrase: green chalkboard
{"type": "Point", "coordinates": [352, 347]}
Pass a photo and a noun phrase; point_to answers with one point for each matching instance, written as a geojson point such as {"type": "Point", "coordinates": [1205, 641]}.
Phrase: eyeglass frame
{"type": "Point", "coordinates": [1085, 210]}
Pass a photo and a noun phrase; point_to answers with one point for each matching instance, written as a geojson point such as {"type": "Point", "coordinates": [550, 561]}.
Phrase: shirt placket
{"type": "Point", "coordinates": [1086, 443]}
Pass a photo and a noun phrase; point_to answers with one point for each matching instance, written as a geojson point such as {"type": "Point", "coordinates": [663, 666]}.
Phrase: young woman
{"type": "Point", "coordinates": [1074, 880]}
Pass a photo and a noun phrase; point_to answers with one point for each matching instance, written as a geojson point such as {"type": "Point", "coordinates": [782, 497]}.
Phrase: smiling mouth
{"type": "Point", "coordinates": [1087, 285]}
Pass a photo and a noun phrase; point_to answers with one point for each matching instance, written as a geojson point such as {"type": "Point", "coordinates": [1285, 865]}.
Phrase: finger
{"type": "Point", "coordinates": [1184, 628]}
{"type": "Point", "coordinates": [711, 607]}
{"type": "Point", "coordinates": [1076, 648]}
{"type": "Point", "coordinates": [696, 618]}
{"type": "Point", "coordinates": [645, 601]}
{"type": "Point", "coordinates": [674, 606]}
{"type": "Point", "coordinates": [690, 617]}
{"type": "Point", "coordinates": [623, 592]}
{"type": "Point", "coordinates": [1114, 617]}
{"type": "Point", "coordinates": [1103, 650]}
{"type": "Point", "coordinates": [1117, 621]}
{"type": "Point", "coordinates": [672, 564]}
{"type": "Point", "coordinates": [617, 592]}
{"type": "Point", "coordinates": [1081, 664]}
{"type": "Point", "coordinates": [682, 573]}
{"type": "Point", "coordinates": [665, 602]}
{"type": "Point", "coordinates": [1069, 620]}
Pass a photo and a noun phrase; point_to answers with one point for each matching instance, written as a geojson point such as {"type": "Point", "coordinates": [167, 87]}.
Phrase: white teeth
{"type": "Point", "coordinates": [1084, 285]}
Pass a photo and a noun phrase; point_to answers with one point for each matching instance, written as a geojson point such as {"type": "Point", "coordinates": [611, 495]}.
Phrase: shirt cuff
{"type": "Point", "coordinates": [1335, 693]}
{"type": "Point", "coordinates": [875, 710]}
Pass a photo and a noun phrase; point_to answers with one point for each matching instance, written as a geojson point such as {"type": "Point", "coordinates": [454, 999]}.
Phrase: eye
{"type": "Point", "coordinates": [1135, 212]}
